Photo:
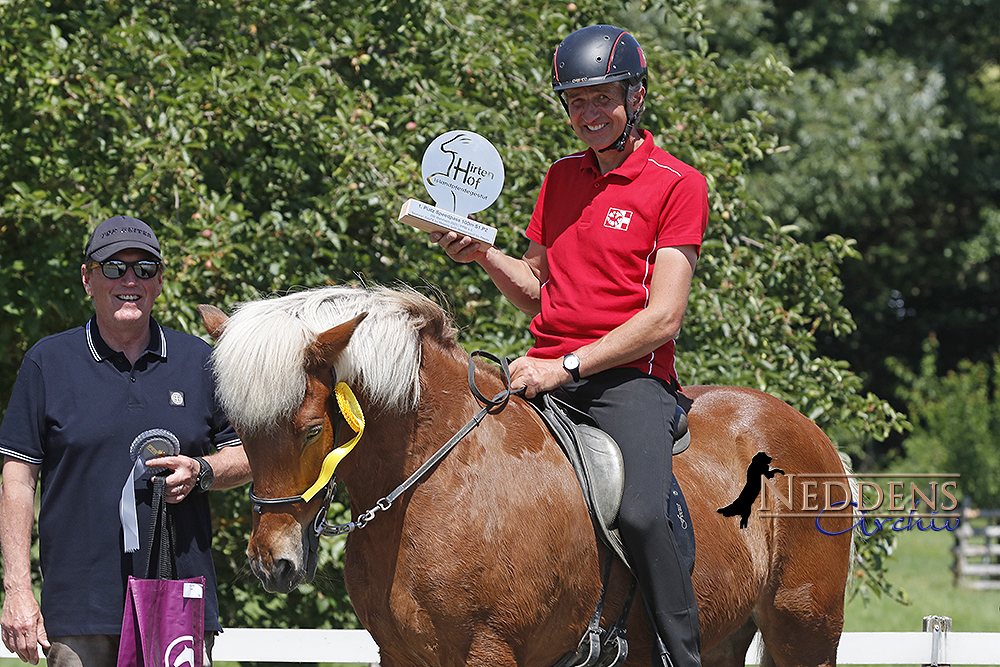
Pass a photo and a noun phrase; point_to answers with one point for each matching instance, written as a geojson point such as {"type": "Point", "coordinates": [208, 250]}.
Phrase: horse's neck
{"type": "Point", "coordinates": [377, 464]}
{"type": "Point", "coordinates": [395, 444]}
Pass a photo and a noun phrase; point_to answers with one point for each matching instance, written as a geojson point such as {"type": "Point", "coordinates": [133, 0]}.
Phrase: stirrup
{"type": "Point", "coordinates": [614, 652]}
{"type": "Point", "coordinates": [587, 653]}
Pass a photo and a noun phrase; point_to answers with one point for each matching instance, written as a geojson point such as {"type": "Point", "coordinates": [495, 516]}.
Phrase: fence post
{"type": "Point", "coordinates": [940, 626]}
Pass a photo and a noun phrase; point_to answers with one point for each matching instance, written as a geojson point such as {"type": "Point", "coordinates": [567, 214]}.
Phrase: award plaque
{"type": "Point", "coordinates": [463, 173]}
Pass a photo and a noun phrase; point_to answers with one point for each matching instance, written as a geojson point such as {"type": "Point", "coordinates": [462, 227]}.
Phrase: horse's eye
{"type": "Point", "coordinates": [313, 432]}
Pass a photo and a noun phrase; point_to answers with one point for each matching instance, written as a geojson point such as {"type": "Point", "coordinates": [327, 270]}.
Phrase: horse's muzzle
{"type": "Point", "coordinates": [282, 576]}
{"type": "Point", "coordinates": [283, 556]}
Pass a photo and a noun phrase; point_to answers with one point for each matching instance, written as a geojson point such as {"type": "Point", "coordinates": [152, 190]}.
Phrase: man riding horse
{"type": "Point", "coordinates": [613, 243]}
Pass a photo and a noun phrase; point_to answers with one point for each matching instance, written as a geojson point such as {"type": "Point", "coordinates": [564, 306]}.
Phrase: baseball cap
{"type": "Point", "coordinates": [121, 233]}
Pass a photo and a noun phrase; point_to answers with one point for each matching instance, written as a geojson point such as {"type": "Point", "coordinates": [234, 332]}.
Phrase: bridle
{"type": "Point", "coordinates": [327, 480]}
{"type": "Point", "coordinates": [353, 416]}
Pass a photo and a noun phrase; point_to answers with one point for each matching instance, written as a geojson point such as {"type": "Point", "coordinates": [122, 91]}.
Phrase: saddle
{"type": "Point", "coordinates": [597, 461]}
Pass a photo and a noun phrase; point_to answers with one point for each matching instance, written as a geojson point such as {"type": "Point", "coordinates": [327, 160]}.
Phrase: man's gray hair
{"type": "Point", "coordinates": [633, 102]}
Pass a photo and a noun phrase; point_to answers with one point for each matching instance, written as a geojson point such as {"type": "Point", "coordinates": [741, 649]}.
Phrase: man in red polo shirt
{"type": "Point", "coordinates": [614, 240]}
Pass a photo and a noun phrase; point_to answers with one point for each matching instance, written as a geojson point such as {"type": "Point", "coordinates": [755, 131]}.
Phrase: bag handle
{"type": "Point", "coordinates": [161, 534]}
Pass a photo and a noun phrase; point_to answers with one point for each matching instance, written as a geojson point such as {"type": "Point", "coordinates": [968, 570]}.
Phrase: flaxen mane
{"type": "Point", "coordinates": [259, 361]}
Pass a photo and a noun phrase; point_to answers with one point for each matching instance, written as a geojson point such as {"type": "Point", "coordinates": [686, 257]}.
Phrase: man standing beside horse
{"type": "Point", "coordinates": [81, 397]}
{"type": "Point", "coordinates": [614, 240]}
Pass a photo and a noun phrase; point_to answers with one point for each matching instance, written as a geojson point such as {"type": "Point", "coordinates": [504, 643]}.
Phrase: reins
{"type": "Point", "coordinates": [354, 417]}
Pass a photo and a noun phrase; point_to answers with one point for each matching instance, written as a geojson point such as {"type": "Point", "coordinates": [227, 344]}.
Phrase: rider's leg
{"type": "Point", "coordinates": [637, 411]}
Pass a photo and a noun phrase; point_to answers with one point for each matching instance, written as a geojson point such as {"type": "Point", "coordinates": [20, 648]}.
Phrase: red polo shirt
{"type": "Point", "coordinates": [601, 233]}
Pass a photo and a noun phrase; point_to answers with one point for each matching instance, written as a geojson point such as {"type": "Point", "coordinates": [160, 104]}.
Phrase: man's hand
{"type": "Point", "coordinates": [182, 478]}
{"type": "Point", "coordinates": [537, 375]}
{"type": "Point", "coordinates": [22, 626]}
{"type": "Point", "coordinates": [461, 248]}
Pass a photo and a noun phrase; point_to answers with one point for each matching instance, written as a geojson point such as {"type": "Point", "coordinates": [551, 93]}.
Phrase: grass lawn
{"type": "Point", "coordinates": [922, 568]}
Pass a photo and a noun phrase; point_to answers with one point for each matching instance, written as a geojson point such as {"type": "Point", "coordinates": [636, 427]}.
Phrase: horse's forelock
{"type": "Point", "coordinates": [259, 361]}
{"type": "Point", "coordinates": [258, 367]}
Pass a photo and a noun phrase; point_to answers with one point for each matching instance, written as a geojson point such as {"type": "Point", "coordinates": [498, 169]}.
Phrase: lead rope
{"type": "Point", "coordinates": [491, 406]}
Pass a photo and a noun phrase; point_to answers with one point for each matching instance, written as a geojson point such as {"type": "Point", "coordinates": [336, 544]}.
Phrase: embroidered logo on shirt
{"type": "Point", "coordinates": [177, 398]}
{"type": "Point", "coordinates": [618, 219]}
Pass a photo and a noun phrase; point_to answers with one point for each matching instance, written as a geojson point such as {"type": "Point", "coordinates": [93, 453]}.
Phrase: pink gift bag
{"type": "Point", "coordinates": [164, 620]}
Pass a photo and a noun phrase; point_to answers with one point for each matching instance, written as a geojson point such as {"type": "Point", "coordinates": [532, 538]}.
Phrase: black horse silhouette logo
{"type": "Point", "coordinates": [743, 505]}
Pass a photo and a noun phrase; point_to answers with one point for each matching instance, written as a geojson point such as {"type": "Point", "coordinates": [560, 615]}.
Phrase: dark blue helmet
{"type": "Point", "coordinates": [598, 54]}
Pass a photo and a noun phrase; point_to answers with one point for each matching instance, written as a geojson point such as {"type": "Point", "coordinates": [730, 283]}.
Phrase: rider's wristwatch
{"type": "Point", "coordinates": [571, 363]}
{"type": "Point", "coordinates": [205, 475]}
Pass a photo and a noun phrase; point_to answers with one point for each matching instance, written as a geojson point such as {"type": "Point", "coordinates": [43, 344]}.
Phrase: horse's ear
{"type": "Point", "coordinates": [332, 342]}
{"type": "Point", "coordinates": [214, 319]}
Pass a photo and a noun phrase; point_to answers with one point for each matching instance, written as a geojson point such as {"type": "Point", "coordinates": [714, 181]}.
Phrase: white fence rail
{"type": "Point", "coordinates": [244, 645]}
{"type": "Point", "coordinates": [856, 648]}
{"type": "Point", "coordinates": [357, 646]}
{"type": "Point", "coordinates": [977, 551]}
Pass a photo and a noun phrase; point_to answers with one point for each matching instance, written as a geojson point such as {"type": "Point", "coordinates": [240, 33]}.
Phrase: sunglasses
{"type": "Point", "coordinates": [113, 269]}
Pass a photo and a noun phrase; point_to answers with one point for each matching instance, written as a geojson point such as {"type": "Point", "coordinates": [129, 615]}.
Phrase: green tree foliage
{"type": "Point", "coordinates": [271, 144]}
{"type": "Point", "coordinates": [887, 135]}
{"type": "Point", "coordinates": [956, 422]}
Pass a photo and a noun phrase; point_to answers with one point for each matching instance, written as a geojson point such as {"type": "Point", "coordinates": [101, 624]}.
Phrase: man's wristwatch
{"type": "Point", "coordinates": [205, 475]}
{"type": "Point", "coordinates": [571, 363]}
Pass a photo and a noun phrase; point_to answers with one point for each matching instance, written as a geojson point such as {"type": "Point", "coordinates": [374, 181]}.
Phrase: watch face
{"type": "Point", "coordinates": [206, 476]}
{"type": "Point", "coordinates": [572, 365]}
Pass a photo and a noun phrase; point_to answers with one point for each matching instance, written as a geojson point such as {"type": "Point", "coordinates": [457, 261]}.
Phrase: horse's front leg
{"type": "Point", "coordinates": [488, 650]}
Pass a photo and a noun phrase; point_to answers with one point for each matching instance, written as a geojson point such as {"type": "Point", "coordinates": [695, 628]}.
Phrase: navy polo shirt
{"type": "Point", "coordinates": [76, 407]}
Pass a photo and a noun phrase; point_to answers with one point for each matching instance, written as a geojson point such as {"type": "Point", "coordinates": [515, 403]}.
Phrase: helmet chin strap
{"type": "Point", "coordinates": [619, 144]}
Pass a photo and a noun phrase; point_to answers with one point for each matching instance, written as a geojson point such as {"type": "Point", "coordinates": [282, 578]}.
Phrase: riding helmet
{"type": "Point", "coordinates": [597, 54]}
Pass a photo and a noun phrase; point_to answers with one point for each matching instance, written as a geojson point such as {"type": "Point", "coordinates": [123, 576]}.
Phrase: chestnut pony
{"type": "Point", "coordinates": [491, 559]}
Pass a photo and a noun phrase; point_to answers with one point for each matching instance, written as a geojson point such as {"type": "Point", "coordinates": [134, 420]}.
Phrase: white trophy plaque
{"type": "Point", "coordinates": [463, 173]}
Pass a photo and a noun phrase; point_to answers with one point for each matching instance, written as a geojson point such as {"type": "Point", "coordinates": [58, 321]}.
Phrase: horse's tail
{"type": "Point", "coordinates": [845, 461]}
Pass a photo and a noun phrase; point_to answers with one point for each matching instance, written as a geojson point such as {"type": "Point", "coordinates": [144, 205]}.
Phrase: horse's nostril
{"type": "Point", "coordinates": [285, 575]}
{"type": "Point", "coordinates": [283, 569]}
